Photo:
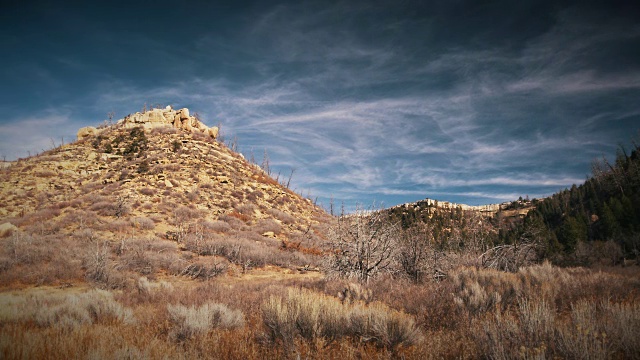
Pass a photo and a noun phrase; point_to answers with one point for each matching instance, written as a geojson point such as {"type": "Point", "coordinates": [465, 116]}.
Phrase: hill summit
{"type": "Point", "coordinates": [155, 118]}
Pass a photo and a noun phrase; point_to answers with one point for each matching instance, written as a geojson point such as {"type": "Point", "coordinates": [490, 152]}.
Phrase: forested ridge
{"type": "Point", "coordinates": [605, 209]}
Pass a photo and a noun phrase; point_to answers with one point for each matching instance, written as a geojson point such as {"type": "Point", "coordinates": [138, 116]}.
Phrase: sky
{"type": "Point", "coordinates": [381, 102]}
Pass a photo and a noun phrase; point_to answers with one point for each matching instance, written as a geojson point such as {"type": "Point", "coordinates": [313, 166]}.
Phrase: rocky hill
{"type": "Point", "coordinates": [153, 194]}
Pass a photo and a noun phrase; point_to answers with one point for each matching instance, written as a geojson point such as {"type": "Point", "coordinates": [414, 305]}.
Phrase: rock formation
{"type": "Point", "coordinates": [87, 131]}
{"type": "Point", "coordinates": [158, 118]}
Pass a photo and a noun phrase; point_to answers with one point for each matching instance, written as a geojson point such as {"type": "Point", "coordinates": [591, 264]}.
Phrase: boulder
{"type": "Point", "coordinates": [184, 114]}
{"type": "Point", "coordinates": [213, 132]}
{"type": "Point", "coordinates": [86, 132]}
{"type": "Point", "coordinates": [269, 234]}
{"type": "Point", "coordinates": [186, 124]}
{"type": "Point", "coordinates": [7, 229]}
{"type": "Point", "coordinates": [156, 117]}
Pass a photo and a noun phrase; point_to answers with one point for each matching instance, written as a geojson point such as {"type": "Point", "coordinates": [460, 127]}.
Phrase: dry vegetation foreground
{"type": "Point", "coordinates": [539, 312]}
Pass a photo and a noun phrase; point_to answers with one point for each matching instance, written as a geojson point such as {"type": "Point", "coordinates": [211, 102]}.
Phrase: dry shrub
{"type": "Point", "coordinates": [45, 174]}
{"type": "Point", "coordinates": [37, 217]}
{"type": "Point", "coordinates": [246, 209]}
{"type": "Point", "coordinates": [593, 330]}
{"type": "Point", "coordinates": [530, 335]}
{"type": "Point", "coordinates": [216, 226]}
{"type": "Point", "coordinates": [202, 271]}
{"type": "Point", "coordinates": [266, 179]}
{"type": "Point", "coordinates": [61, 205]}
{"type": "Point", "coordinates": [314, 317]}
{"type": "Point", "coordinates": [190, 321]}
{"type": "Point", "coordinates": [164, 130]}
{"type": "Point", "coordinates": [148, 191]}
{"type": "Point", "coordinates": [581, 337]}
{"type": "Point", "coordinates": [536, 323]}
{"type": "Point", "coordinates": [237, 194]}
{"type": "Point", "coordinates": [266, 225]}
{"type": "Point", "coordinates": [116, 226]}
{"type": "Point", "coordinates": [35, 259]}
{"type": "Point", "coordinates": [621, 324]}
{"type": "Point", "coordinates": [99, 268]}
{"type": "Point", "coordinates": [233, 221]}
{"type": "Point", "coordinates": [149, 288]}
{"type": "Point", "coordinates": [143, 223]}
{"type": "Point", "coordinates": [282, 216]}
{"type": "Point", "coordinates": [214, 244]}
{"type": "Point", "coordinates": [480, 291]}
{"type": "Point", "coordinates": [67, 311]}
{"type": "Point", "coordinates": [184, 214]}
{"type": "Point", "coordinates": [354, 292]}
{"type": "Point", "coordinates": [255, 195]}
{"type": "Point", "coordinates": [242, 217]}
{"type": "Point", "coordinates": [145, 256]}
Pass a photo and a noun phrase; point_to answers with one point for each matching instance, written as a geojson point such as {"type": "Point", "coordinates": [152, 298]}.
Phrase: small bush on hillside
{"type": "Point", "coordinates": [246, 209]}
{"type": "Point", "coordinates": [190, 321]}
{"type": "Point", "coordinates": [142, 223]}
{"type": "Point", "coordinates": [282, 216]}
{"type": "Point", "coordinates": [266, 225]}
{"type": "Point", "coordinates": [216, 226]}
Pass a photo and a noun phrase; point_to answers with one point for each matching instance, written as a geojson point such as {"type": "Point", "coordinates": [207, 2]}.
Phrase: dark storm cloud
{"type": "Point", "coordinates": [385, 101]}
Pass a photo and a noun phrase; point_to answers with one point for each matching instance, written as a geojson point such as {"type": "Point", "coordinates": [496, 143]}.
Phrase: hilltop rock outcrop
{"type": "Point", "coordinates": [154, 118]}
{"type": "Point", "coordinates": [86, 132]}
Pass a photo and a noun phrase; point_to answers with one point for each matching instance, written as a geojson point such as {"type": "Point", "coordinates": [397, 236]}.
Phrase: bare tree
{"type": "Point", "coordinates": [265, 163]}
{"type": "Point", "coordinates": [415, 250]}
{"type": "Point", "coordinates": [363, 244]}
{"type": "Point", "coordinates": [524, 251]}
{"type": "Point", "coordinates": [290, 176]}
{"type": "Point", "coordinates": [331, 206]}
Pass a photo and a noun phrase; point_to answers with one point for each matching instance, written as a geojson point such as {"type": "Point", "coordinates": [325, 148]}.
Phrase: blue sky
{"type": "Point", "coordinates": [385, 101]}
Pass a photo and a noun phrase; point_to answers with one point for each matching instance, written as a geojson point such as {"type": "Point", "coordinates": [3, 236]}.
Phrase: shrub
{"type": "Point", "coordinates": [143, 223]}
{"type": "Point", "coordinates": [148, 191]}
{"type": "Point", "coordinates": [216, 226]}
{"type": "Point", "coordinates": [266, 225]}
{"type": "Point", "coordinates": [481, 291]}
{"type": "Point", "coordinates": [311, 316]}
{"type": "Point", "coordinates": [68, 311]}
{"type": "Point", "coordinates": [242, 217]}
{"type": "Point", "coordinates": [232, 221]}
{"type": "Point", "coordinates": [176, 145]}
{"type": "Point", "coordinates": [282, 216]}
{"type": "Point", "coordinates": [148, 288]}
{"type": "Point", "coordinates": [622, 325]}
{"type": "Point", "coordinates": [190, 321]}
{"type": "Point", "coordinates": [246, 209]}
{"type": "Point", "coordinates": [581, 337]}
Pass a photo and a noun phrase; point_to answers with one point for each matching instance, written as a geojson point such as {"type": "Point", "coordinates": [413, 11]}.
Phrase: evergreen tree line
{"type": "Point", "coordinates": [605, 208]}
